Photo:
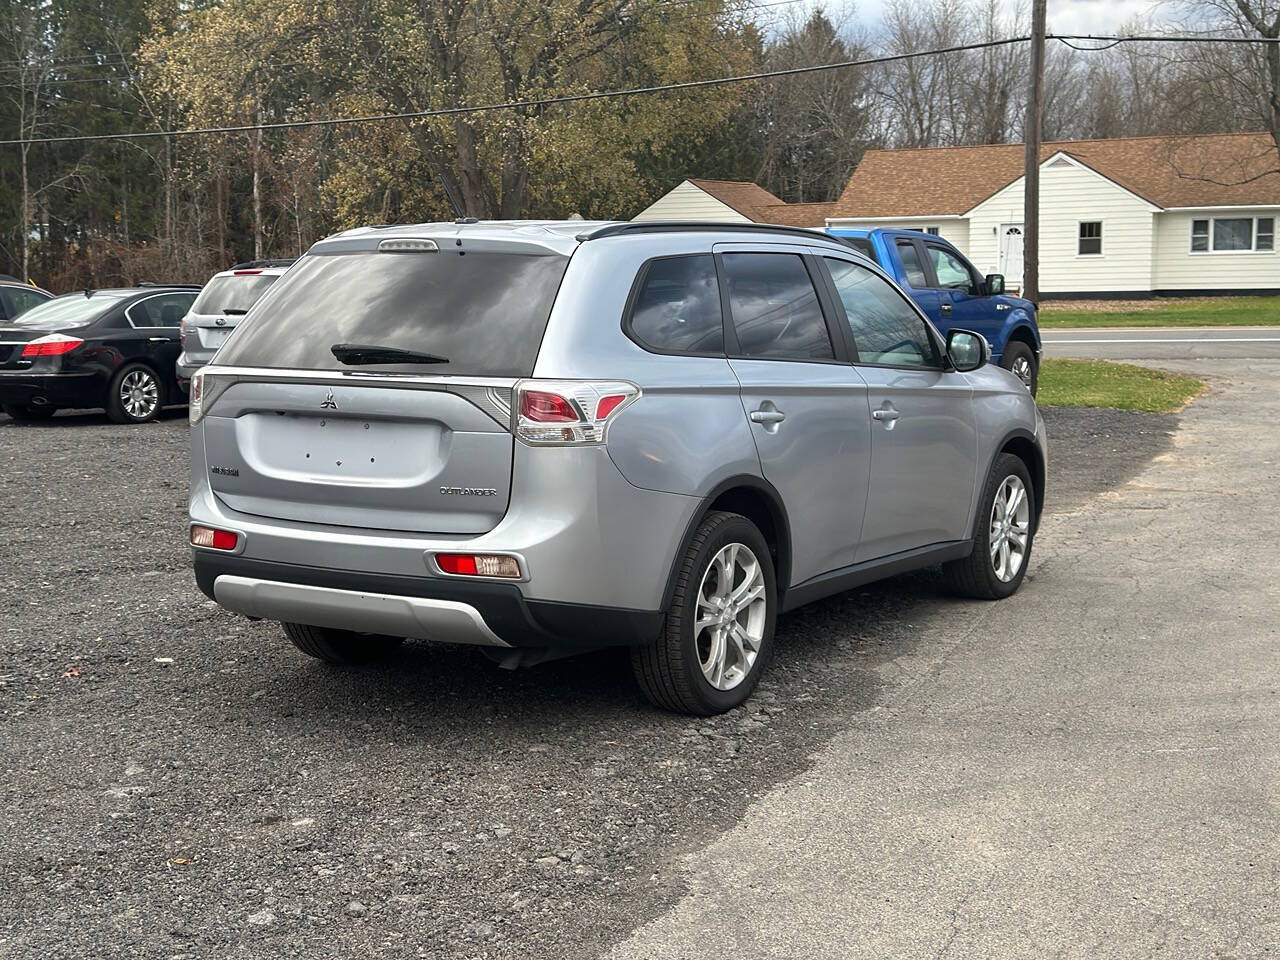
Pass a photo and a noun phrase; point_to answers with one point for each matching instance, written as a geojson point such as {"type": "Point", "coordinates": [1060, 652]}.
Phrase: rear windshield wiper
{"type": "Point", "coordinates": [233, 311]}
{"type": "Point", "coordinates": [354, 354]}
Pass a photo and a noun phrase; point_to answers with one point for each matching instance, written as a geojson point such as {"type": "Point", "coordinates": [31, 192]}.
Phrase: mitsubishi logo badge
{"type": "Point", "coordinates": [329, 403]}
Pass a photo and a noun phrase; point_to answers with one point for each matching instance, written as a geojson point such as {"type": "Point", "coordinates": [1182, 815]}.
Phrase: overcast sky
{"type": "Point", "coordinates": [1065, 16]}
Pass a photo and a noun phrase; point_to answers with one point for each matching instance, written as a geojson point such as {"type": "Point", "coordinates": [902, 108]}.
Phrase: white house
{"type": "Point", "coordinates": [1127, 217]}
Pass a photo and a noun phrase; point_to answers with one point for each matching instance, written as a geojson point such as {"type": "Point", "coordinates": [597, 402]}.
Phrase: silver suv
{"type": "Point", "coordinates": [545, 437]}
{"type": "Point", "coordinates": [222, 303]}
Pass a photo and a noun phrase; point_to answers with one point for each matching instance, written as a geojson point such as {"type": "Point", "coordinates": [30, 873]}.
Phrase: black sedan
{"type": "Point", "coordinates": [113, 349]}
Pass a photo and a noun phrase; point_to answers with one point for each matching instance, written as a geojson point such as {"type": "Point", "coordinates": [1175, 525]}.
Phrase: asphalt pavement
{"type": "Point", "coordinates": [176, 781]}
{"type": "Point", "coordinates": [1089, 771]}
{"type": "Point", "coordinates": [1162, 343]}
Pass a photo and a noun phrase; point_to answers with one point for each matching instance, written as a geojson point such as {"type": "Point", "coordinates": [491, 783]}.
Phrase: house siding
{"type": "Point", "coordinates": [1068, 195]}
{"type": "Point", "coordinates": [955, 232]}
{"type": "Point", "coordinates": [687, 202]}
{"type": "Point", "coordinates": [1177, 268]}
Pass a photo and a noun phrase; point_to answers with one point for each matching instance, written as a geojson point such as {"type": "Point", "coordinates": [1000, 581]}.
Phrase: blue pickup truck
{"type": "Point", "coordinates": [953, 294]}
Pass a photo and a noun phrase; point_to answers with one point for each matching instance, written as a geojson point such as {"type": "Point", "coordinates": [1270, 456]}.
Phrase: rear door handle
{"type": "Point", "coordinates": [158, 339]}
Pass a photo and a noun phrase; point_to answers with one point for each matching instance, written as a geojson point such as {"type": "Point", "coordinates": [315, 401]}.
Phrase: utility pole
{"type": "Point", "coordinates": [1031, 171]}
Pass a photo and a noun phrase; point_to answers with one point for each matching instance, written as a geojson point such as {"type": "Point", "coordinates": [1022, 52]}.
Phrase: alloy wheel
{"type": "Point", "coordinates": [139, 394]}
{"type": "Point", "coordinates": [1022, 370]}
{"type": "Point", "coordinates": [1010, 533]}
{"type": "Point", "coordinates": [731, 614]}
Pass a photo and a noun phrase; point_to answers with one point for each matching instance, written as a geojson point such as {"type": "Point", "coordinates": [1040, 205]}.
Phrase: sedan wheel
{"type": "Point", "coordinates": [136, 395]}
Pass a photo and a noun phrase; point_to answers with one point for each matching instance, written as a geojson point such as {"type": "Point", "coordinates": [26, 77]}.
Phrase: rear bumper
{"type": "Point", "coordinates": [59, 389]}
{"type": "Point", "coordinates": [189, 363]}
{"type": "Point", "coordinates": [451, 611]}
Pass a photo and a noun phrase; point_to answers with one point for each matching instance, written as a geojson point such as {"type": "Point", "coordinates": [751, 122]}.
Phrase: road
{"type": "Point", "coordinates": [1162, 343]}
{"type": "Point", "coordinates": [1091, 771]}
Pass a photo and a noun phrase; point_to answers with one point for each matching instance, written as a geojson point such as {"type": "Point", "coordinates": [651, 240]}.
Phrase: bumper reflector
{"type": "Point", "coordinates": [479, 565]}
{"type": "Point", "coordinates": [214, 539]}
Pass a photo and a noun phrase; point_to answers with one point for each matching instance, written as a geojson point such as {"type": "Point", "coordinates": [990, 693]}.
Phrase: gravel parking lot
{"type": "Point", "coordinates": [180, 782]}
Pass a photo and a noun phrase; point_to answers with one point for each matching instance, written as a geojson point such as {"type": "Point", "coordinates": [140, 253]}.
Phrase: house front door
{"type": "Point", "coordinates": [1011, 254]}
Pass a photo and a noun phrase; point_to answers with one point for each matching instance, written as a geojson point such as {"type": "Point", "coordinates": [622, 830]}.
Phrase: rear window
{"type": "Point", "coordinates": [235, 293]}
{"type": "Point", "coordinates": [485, 312]}
{"type": "Point", "coordinates": [861, 244]}
{"type": "Point", "coordinates": [72, 310]}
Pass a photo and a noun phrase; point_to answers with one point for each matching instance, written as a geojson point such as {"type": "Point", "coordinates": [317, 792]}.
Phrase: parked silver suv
{"type": "Point", "coordinates": [222, 304]}
{"type": "Point", "coordinates": [541, 437]}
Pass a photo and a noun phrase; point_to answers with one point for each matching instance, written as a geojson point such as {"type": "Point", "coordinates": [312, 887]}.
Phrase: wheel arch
{"type": "Point", "coordinates": [1023, 332]}
{"type": "Point", "coordinates": [757, 500]}
{"type": "Point", "coordinates": [1022, 444]}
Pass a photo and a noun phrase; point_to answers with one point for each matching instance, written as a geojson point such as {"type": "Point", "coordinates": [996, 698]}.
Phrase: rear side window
{"type": "Point", "coordinates": [677, 309]}
{"type": "Point", "coordinates": [861, 244]}
{"type": "Point", "coordinates": [165, 310]}
{"type": "Point", "coordinates": [234, 294]}
{"type": "Point", "coordinates": [485, 313]}
{"type": "Point", "coordinates": [910, 258]}
{"type": "Point", "coordinates": [775, 308]}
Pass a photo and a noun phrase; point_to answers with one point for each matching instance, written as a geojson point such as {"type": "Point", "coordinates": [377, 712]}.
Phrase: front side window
{"type": "Point", "coordinates": [886, 330]}
{"type": "Point", "coordinates": [677, 309]}
{"type": "Point", "coordinates": [774, 307]}
{"type": "Point", "coordinates": [1233, 233]}
{"type": "Point", "coordinates": [910, 258]}
{"type": "Point", "coordinates": [166, 310]}
{"type": "Point", "coordinates": [1090, 241]}
{"type": "Point", "coordinates": [1199, 236]}
{"type": "Point", "coordinates": [952, 272]}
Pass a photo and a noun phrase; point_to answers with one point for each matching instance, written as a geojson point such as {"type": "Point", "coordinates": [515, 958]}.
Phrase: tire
{"type": "Point", "coordinates": [21, 411]}
{"type": "Point", "coordinates": [670, 671]}
{"type": "Point", "coordinates": [1020, 360]}
{"type": "Point", "coordinates": [979, 574]}
{"type": "Point", "coordinates": [147, 398]}
{"type": "Point", "coordinates": [340, 646]}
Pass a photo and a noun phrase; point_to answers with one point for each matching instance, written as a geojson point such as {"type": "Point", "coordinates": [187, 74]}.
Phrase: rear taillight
{"type": "Point", "coordinates": [53, 345]}
{"type": "Point", "coordinates": [569, 411]}
{"type": "Point", "coordinates": [500, 565]}
{"type": "Point", "coordinates": [182, 334]}
{"type": "Point", "coordinates": [212, 539]}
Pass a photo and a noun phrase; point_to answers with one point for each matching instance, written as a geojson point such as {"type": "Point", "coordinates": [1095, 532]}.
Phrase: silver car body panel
{"type": "Point", "coordinates": [601, 525]}
{"type": "Point", "coordinates": [424, 619]}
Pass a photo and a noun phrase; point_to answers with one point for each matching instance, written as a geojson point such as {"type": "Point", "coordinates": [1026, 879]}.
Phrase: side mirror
{"type": "Point", "coordinates": [995, 284]}
{"type": "Point", "coordinates": [967, 350]}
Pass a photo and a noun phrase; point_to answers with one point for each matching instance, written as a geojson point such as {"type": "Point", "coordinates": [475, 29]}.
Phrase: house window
{"type": "Point", "coordinates": [931, 230]}
{"type": "Point", "coordinates": [1265, 238]}
{"type": "Point", "coordinates": [1199, 236]}
{"type": "Point", "coordinates": [1233, 235]}
{"type": "Point", "coordinates": [1090, 238]}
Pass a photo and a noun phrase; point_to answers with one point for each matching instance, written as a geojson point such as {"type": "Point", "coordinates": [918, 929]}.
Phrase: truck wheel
{"type": "Point", "coordinates": [1020, 360]}
{"type": "Point", "coordinates": [340, 646]}
{"type": "Point", "coordinates": [718, 634]}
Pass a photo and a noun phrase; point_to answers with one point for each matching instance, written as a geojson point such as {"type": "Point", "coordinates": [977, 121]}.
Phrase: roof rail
{"type": "Point", "coordinates": [683, 226]}
{"type": "Point", "coordinates": [183, 286]}
{"type": "Point", "coordinates": [254, 264]}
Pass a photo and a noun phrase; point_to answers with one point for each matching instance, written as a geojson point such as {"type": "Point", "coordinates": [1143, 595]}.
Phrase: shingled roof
{"type": "Point", "coordinates": [742, 195]}
{"type": "Point", "coordinates": [1193, 171]}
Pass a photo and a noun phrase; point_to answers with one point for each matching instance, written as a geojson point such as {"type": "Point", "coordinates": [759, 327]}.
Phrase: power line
{"type": "Point", "coordinates": [610, 94]}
